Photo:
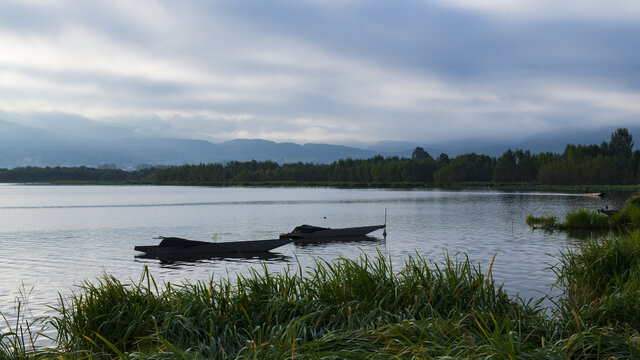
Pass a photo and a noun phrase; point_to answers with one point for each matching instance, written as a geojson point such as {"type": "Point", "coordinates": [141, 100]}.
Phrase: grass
{"type": "Point", "coordinates": [358, 309]}
{"type": "Point", "coordinates": [587, 219]}
{"type": "Point", "coordinates": [18, 338]}
{"type": "Point", "coordinates": [542, 221]}
{"type": "Point", "coordinates": [603, 277]}
{"type": "Point", "coordinates": [627, 218]}
{"type": "Point", "coordinates": [306, 313]}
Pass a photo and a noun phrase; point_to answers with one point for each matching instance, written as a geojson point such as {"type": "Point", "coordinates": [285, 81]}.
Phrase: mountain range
{"type": "Point", "coordinates": [71, 141]}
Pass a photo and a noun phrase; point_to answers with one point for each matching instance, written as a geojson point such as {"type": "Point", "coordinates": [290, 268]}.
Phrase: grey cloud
{"type": "Point", "coordinates": [402, 70]}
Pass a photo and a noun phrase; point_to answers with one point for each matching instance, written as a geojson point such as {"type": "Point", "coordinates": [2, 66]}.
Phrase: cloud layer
{"type": "Point", "coordinates": [325, 71]}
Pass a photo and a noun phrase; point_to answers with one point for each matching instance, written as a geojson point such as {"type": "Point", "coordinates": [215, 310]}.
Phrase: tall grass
{"type": "Point", "coordinates": [541, 221]}
{"type": "Point", "coordinates": [627, 218]}
{"type": "Point", "coordinates": [598, 312]}
{"type": "Point", "coordinates": [18, 337]}
{"type": "Point", "coordinates": [601, 280]}
{"type": "Point", "coordinates": [335, 307]}
{"type": "Point", "coordinates": [586, 219]}
{"type": "Point", "coordinates": [357, 309]}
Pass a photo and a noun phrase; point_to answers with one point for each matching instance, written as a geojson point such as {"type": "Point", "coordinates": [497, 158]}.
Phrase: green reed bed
{"type": "Point", "coordinates": [598, 311]}
{"type": "Point", "coordinates": [578, 219]}
{"type": "Point", "coordinates": [627, 218]}
{"type": "Point", "coordinates": [358, 309]}
{"type": "Point", "coordinates": [541, 221]}
{"type": "Point", "coordinates": [602, 277]}
{"type": "Point", "coordinates": [354, 308]}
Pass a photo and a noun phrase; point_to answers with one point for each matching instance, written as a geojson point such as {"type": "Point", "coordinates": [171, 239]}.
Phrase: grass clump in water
{"type": "Point", "coordinates": [627, 218]}
{"type": "Point", "coordinates": [578, 219]}
{"type": "Point", "coordinates": [542, 221]}
{"type": "Point", "coordinates": [586, 219]}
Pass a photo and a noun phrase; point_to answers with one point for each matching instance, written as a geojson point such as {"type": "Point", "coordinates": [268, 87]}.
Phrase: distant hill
{"type": "Point", "coordinates": [93, 144]}
{"type": "Point", "coordinates": [62, 140]}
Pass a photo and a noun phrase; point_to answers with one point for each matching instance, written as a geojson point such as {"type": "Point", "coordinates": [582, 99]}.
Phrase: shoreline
{"type": "Point", "coordinates": [579, 189]}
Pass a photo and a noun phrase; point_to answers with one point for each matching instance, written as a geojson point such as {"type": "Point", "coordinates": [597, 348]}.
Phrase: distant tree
{"type": "Point", "coordinates": [419, 154]}
{"type": "Point", "coordinates": [621, 143]}
{"type": "Point", "coordinates": [467, 167]}
{"type": "Point", "coordinates": [443, 159]}
{"type": "Point", "coordinates": [505, 169]}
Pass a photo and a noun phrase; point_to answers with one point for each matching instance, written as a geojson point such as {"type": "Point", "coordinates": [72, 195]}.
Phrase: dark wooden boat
{"type": "Point", "coordinates": [314, 232]}
{"type": "Point", "coordinates": [180, 246]}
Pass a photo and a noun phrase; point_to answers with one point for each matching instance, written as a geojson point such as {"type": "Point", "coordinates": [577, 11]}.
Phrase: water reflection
{"type": "Point", "coordinates": [329, 240]}
{"type": "Point", "coordinates": [177, 260]}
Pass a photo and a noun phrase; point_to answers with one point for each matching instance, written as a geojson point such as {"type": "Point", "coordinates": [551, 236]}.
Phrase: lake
{"type": "Point", "coordinates": [54, 237]}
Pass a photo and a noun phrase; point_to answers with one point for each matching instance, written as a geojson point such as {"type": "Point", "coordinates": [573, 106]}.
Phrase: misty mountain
{"type": "Point", "coordinates": [76, 142]}
{"type": "Point", "coordinates": [62, 140]}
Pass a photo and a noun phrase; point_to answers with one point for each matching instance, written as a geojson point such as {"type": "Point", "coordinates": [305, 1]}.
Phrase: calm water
{"type": "Point", "coordinates": [54, 237]}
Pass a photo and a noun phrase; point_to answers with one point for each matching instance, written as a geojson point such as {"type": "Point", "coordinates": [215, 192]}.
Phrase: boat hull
{"type": "Point", "coordinates": [333, 233]}
{"type": "Point", "coordinates": [202, 248]}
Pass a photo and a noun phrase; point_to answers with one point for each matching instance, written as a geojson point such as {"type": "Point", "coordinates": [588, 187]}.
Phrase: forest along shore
{"type": "Point", "coordinates": [614, 163]}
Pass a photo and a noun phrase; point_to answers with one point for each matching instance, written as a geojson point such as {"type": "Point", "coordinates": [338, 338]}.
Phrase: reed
{"type": "Point", "coordinates": [18, 337]}
{"type": "Point", "coordinates": [335, 305]}
{"type": "Point", "coordinates": [601, 282]}
{"type": "Point", "coordinates": [541, 221]}
{"type": "Point", "coordinates": [586, 219]}
{"type": "Point", "coordinates": [627, 218]}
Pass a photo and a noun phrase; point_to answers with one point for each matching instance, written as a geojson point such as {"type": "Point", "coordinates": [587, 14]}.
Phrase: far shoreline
{"type": "Point", "coordinates": [357, 185]}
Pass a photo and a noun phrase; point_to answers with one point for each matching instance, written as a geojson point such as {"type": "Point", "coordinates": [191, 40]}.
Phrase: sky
{"type": "Point", "coordinates": [324, 70]}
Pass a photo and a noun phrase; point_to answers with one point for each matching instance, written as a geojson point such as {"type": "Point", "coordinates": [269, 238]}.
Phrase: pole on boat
{"type": "Point", "coordinates": [384, 233]}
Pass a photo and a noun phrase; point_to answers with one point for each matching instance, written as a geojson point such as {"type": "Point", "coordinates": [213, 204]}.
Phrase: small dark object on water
{"type": "Point", "coordinates": [606, 211]}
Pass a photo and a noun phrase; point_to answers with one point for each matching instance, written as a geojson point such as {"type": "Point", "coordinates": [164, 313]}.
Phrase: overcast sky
{"type": "Point", "coordinates": [325, 70]}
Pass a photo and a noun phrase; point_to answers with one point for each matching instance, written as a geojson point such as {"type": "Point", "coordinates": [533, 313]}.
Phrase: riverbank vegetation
{"type": "Point", "coordinates": [626, 218]}
{"type": "Point", "coordinates": [362, 308]}
{"type": "Point", "coordinates": [612, 163]}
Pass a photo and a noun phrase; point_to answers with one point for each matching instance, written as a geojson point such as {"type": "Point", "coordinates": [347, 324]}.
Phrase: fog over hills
{"type": "Point", "coordinates": [71, 141]}
{"type": "Point", "coordinates": [94, 144]}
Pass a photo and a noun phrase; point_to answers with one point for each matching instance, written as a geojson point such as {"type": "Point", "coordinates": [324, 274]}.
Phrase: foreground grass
{"type": "Point", "coordinates": [359, 309]}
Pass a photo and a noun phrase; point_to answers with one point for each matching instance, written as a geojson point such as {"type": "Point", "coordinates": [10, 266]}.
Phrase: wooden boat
{"type": "Point", "coordinates": [588, 193]}
{"type": "Point", "coordinates": [180, 246]}
{"type": "Point", "coordinates": [311, 232]}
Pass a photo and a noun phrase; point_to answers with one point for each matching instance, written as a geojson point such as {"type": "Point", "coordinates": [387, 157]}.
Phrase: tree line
{"type": "Point", "coordinates": [79, 173]}
{"type": "Point", "coordinates": [613, 162]}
